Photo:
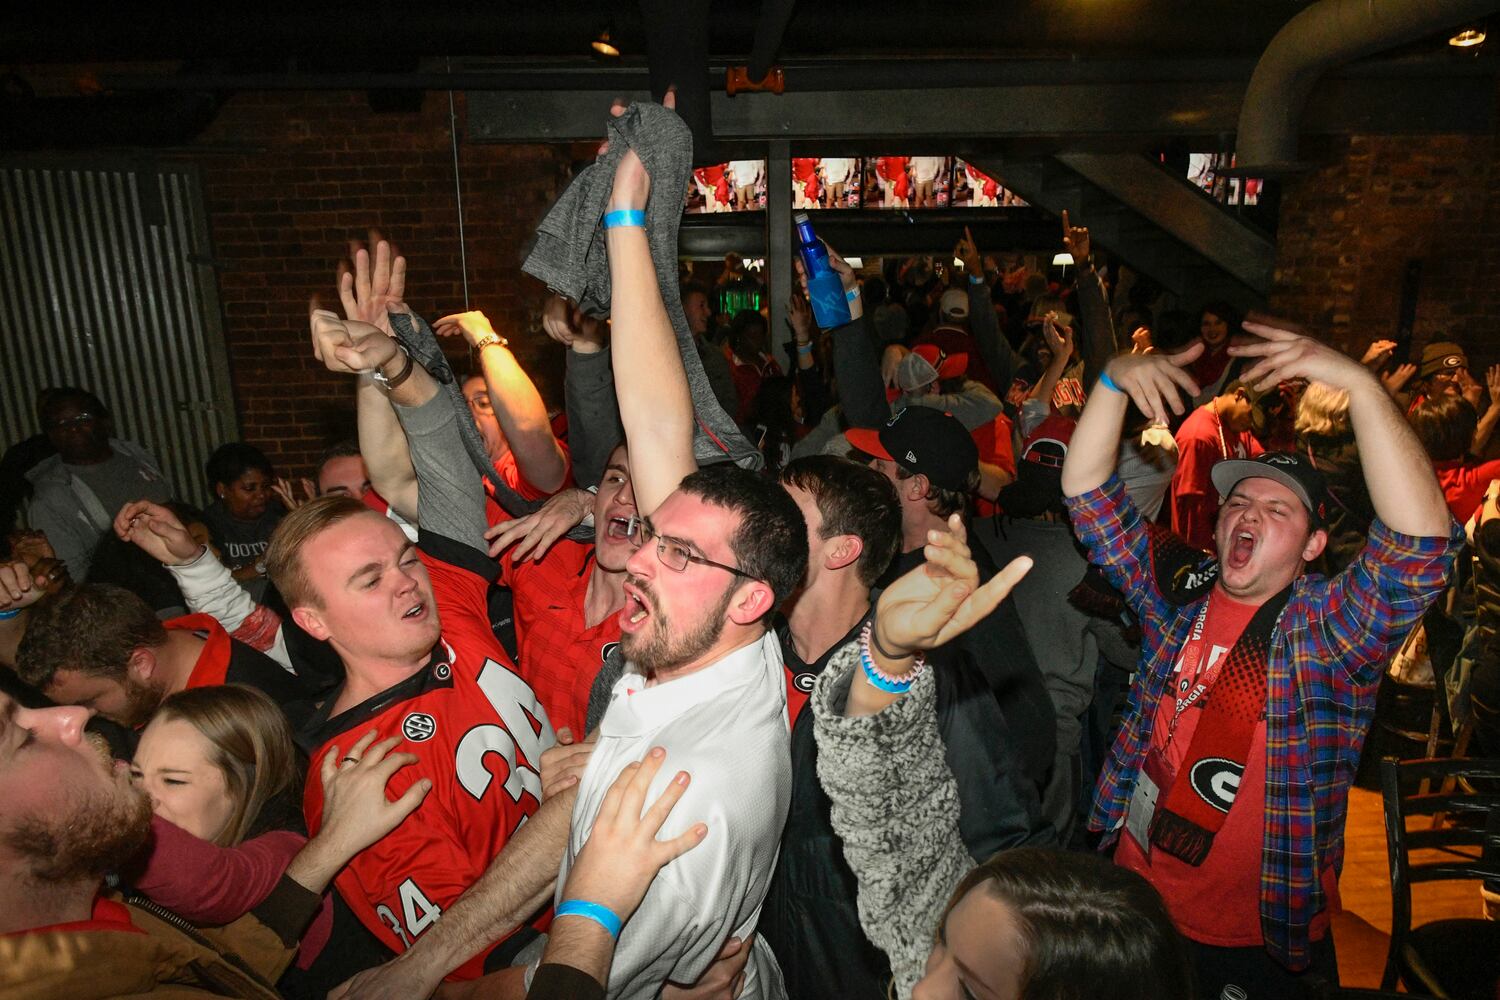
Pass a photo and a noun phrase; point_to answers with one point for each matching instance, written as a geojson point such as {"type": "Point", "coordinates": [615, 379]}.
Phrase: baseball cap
{"type": "Point", "coordinates": [1291, 470]}
{"type": "Point", "coordinates": [1038, 484]}
{"type": "Point", "coordinates": [954, 304]}
{"type": "Point", "coordinates": [1442, 355]}
{"type": "Point", "coordinates": [923, 441]}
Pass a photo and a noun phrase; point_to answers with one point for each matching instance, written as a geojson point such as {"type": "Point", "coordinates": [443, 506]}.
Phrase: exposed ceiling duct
{"type": "Point", "coordinates": [1325, 35]}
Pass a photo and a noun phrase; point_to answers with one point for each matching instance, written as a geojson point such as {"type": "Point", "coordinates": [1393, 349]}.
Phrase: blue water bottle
{"type": "Point", "coordinates": [825, 289]}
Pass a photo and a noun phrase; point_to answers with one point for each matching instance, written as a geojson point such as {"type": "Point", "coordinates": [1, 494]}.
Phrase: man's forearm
{"type": "Point", "coordinates": [1398, 474]}
{"type": "Point", "coordinates": [382, 444]}
{"type": "Point", "coordinates": [1095, 447]}
{"type": "Point", "coordinates": [523, 417]}
{"type": "Point", "coordinates": [520, 880]}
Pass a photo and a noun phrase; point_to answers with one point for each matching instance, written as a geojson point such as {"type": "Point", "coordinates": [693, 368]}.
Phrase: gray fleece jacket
{"type": "Point", "coordinates": [908, 858]}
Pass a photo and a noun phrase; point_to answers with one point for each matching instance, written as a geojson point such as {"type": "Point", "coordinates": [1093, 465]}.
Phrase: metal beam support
{"type": "Point", "coordinates": [779, 244]}
{"type": "Point", "coordinates": [1149, 110]}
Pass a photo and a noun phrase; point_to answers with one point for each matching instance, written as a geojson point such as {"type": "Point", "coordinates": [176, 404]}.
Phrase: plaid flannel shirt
{"type": "Point", "coordinates": [1327, 653]}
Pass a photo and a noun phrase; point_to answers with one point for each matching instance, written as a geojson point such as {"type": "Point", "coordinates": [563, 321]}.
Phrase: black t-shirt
{"type": "Point", "coordinates": [240, 543]}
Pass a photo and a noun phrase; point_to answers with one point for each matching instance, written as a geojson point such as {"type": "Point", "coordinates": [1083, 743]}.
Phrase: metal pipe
{"type": "Point", "coordinates": [1324, 35]}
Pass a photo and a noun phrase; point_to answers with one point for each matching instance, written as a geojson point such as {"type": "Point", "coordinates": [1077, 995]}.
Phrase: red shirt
{"type": "Point", "coordinates": [1218, 902]}
{"type": "Point", "coordinates": [1202, 442]}
{"type": "Point", "coordinates": [108, 915]}
{"type": "Point", "coordinates": [560, 653]}
{"type": "Point", "coordinates": [1464, 484]}
{"type": "Point", "coordinates": [223, 660]}
{"type": "Point", "coordinates": [478, 733]}
{"type": "Point", "coordinates": [513, 478]}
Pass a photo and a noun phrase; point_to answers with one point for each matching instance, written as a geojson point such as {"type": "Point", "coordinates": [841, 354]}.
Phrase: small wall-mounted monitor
{"type": "Point", "coordinates": [903, 182]}
{"type": "Point", "coordinates": [973, 188]}
{"type": "Point", "coordinates": [732, 186]}
{"type": "Point", "coordinates": [825, 182]}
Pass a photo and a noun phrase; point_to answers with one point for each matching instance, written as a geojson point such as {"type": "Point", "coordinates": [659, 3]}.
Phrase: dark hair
{"type": "Point", "coordinates": [1228, 313]}
{"type": "Point", "coordinates": [770, 542]}
{"type": "Point", "coordinates": [231, 461]}
{"type": "Point", "coordinates": [695, 288]}
{"type": "Point", "coordinates": [740, 326]}
{"type": "Point", "coordinates": [874, 293]}
{"type": "Point", "coordinates": [89, 627]}
{"type": "Point", "coordinates": [856, 500]}
{"type": "Point", "coordinates": [945, 502]}
{"type": "Point", "coordinates": [1088, 926]}
{"type": "Point", "coordinates": [1445, 426]}
{"type": "Point", "coordinates": [347, 448]}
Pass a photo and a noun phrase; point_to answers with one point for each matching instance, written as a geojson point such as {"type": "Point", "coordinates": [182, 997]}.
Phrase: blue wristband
{"type": "Point", "coordinates": [975, 279]}
{"type": "Point", "coordinates": [1109, 383]}
{"type": "Point", "coordinates": [625, 217]}
{"type": "Point", "coordinates": [5, 615]}
{"type": "Point", "coordinates": [597, 912]}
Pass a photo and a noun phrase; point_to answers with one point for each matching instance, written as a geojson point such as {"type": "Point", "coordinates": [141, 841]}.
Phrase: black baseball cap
{"type": "Point", "coordinates": [926, 442]}
{"type": "Point", "coordinates": [1295, 472]}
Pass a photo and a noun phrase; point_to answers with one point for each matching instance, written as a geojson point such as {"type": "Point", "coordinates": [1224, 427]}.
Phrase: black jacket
{"type": "Point", "coordinates": [810, 918]}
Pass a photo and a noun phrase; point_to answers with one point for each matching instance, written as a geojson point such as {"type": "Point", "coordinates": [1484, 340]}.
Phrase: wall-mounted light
{"type": "Point", "coordinates": [1468, 38]}
{"type": "Point", "coordinates": [1062, 260]}
{"type": "Point", "coordinates": [604, 45]}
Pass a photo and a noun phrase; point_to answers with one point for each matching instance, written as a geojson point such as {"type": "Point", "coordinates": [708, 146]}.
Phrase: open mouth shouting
{"type": "Point", "coordinates": [416, 613]}
{"type": "Point", "coordinates": [1242, 545]}
{"type": "Point", "coordinates": [637, 609]}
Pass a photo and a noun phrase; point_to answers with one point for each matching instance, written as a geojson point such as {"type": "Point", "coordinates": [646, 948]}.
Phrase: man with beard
{"type": "Point", "coordinates": [1228, 783]}
{"type": "Point", "coordinates": [719, 549]}
{"type": "Point", "coordinates": [72, 815]}
{"type": "Point", "coordinates": [102, 647]}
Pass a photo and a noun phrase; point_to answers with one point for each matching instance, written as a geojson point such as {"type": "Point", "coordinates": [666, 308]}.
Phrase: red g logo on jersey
{"type": "Point", "coordinates": [419, 727]}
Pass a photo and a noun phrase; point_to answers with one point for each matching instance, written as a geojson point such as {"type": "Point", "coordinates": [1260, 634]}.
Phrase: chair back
{"type": "Point", "coordinates": [1468, 793]}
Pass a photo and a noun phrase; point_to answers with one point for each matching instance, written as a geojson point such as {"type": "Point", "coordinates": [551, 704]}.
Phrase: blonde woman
{"type": "Point", "coordinates": [1324, 435]}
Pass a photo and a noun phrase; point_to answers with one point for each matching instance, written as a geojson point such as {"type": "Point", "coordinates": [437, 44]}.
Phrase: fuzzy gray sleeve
{"type": "Point", "coordinates": [895, 806]}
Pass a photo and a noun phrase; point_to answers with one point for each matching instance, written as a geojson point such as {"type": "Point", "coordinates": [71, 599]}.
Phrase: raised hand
{"type": "Point", "coordinates": [1492, 383]}
{"type": "Point", "coordinates": [1284, 352]}
{"type": "Point", "coordinates": [1396, 380]}
{"type": "Point", "coordinates": [941, 599]}
{"type": "Point", "coordinates": [1059, 338]}
{"type": "Point", "coordinates": [799, 315]}
{"type": "Point", "coordinates": [1156, 383]}
{"type": "Point", "coordinates": [472, 325]}
{"type": "Point", "coordinates": [1076, 240]}
{"type": "Point", "coordinates": [570, 326]}
{"type": "Point", "coordinates": [1468, 388]}
{"type": "Point", "coordinates": [1377, 354]}
{"type": "Point", "coordinates": [156, 531]}
{"type": "Point", "coordinates": [535, 533]}
{"type": "Point", "coordinates": [372, 289]}
{"type": "Point", "coordinates": [968, 252]}
{"type": "Point", "coordinates": [1140, 340]}
{"type": "Point", "coordinates": [347, 346]}
{"type": "Point", "coordinates": [622, 855]}
{"type": "Point", "coordinates": [890, 361]}
{"type": "Point", "coordinates": [286, 492]}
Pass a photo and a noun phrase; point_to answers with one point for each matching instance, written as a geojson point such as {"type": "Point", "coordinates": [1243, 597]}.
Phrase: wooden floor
{"type": "Point", "coordinates": [1362, 931]}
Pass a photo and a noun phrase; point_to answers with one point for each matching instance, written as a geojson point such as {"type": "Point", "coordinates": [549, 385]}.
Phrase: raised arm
{"type": "Point", "coordinates": [1097, 341]}
{"type": "Point", "coordinates": [656, 408]}
{"type": "Point", "coordinates": [856, 366]}
{"type": "Point", "coordinates": [370, 288]}
{"type": "Point", "coordinates": [998, 356]}
{"type": "Point", "coordinates": [1155, 382]}
{"type": "Point", "coordinates": [1403, 489]}
{"type": "Point", "coordinates": [588, 388]}
{"type": "Point", "coordinates": [518, 406]}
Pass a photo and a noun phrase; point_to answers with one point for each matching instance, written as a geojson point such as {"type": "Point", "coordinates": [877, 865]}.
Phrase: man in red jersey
{"type": "Point", "coordinates": [568, 594]}
{"type": "Point", "coordinates": [411, 624]}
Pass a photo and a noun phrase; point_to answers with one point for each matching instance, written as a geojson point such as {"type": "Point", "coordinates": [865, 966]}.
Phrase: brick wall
{"type": "Point", "coordinates": [1348, 229]}
{"type": "Point", "coordinates": [290, 177]}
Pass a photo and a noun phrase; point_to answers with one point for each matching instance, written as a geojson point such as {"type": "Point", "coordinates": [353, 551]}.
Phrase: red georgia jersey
{"type": "Point", "coordinates": [478, 732]}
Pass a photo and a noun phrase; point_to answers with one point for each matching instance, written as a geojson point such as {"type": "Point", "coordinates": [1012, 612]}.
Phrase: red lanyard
{"type": "Point", "coordinates": [1192, 681]}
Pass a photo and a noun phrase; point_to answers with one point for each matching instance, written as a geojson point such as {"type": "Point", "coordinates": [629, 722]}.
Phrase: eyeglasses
{"type": "Point", "coordinates": [675, 554]}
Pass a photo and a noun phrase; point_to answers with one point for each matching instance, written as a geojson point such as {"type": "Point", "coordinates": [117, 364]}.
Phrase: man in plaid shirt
{"type": "Point", "coordinates": [1228, 783]}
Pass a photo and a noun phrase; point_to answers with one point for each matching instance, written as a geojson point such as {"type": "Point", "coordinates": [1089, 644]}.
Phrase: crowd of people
{"type": "Point", "coordinates": [864, 678]}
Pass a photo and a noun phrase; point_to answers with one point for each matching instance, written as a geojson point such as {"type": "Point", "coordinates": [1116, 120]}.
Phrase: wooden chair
{"type": "Point", "coordinates": [1457, 959]}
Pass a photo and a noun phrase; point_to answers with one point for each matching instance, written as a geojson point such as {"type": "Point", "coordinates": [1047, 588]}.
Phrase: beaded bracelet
{"type": "Point", "coordinates": [625, 217]}
{"type": "Point", "coordinates": [597, 912]}
{"type": "Point", "coordinates": [878, 678]}
{"type": "Point", "coordinates": [1109, 383]}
